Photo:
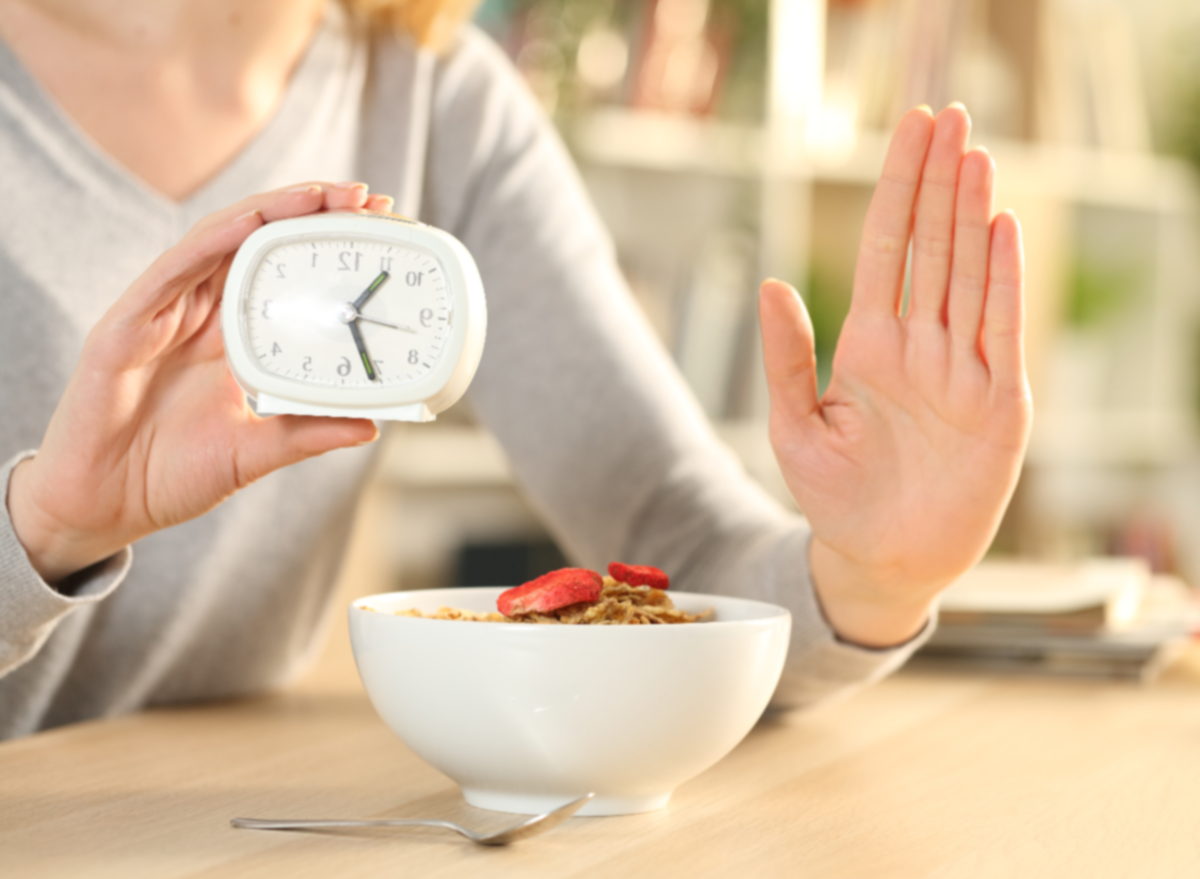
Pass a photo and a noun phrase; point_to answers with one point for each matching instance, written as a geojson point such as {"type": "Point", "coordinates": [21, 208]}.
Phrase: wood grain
{"type": "Point", "coordinates": [920, 776]}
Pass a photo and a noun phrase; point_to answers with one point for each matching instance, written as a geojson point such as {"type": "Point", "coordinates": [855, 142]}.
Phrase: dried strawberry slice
{"type": "Point", "coordinates": [639, 575]}
{"type": "Point", "coordinates": [551, 591]}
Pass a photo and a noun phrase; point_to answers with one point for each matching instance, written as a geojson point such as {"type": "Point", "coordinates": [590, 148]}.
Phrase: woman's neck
{"type": "Point", "coordinates": [172, 89]}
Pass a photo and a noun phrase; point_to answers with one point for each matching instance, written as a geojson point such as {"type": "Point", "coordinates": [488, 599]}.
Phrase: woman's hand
{"type": "Point", "coordinates": [152, 429]}
{"type": "Point", "coordinates": [905, 465]}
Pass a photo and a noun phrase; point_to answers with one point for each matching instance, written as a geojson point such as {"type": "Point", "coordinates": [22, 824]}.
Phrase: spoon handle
{"type": "Point", "coordinates": [316, 823]}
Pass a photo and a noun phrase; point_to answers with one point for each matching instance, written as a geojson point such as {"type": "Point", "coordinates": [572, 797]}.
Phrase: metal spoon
{"type": "Point", "coordinates": [527, 828]}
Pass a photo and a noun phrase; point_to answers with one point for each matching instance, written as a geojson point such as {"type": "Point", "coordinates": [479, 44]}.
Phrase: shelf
{"type": "Point", "coordinates": [457, 457]}
{"type": "Point", "coordinates": [432, 457]}
{"type": "Point", "coordinates": [662, 142]}
{"type": "Point", "coordinates": [1112, 438]}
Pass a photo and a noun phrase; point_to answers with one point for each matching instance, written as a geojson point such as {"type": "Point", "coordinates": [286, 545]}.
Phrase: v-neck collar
{"type": "Point", "coordinates": [326, 52]}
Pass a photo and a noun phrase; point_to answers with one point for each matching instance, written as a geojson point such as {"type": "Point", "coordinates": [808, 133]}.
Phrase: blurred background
{"type": "Point", "coordinates": [726, 140]}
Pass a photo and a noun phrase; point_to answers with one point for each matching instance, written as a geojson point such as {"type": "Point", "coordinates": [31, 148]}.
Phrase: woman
{"type": "Point", "coordinates": [122, 124]}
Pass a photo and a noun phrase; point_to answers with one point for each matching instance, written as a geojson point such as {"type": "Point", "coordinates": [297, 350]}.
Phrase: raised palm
{"type": "Point", "coordinates": [905, 465]}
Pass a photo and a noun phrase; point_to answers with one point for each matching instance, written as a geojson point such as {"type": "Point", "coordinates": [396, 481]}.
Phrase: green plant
{"type": "Point", "coordinates": [1095, 293]}
{"type": "Point", "coordinates": [828, 304]}
{"type": "Point", "coordinates": [1183, 130]}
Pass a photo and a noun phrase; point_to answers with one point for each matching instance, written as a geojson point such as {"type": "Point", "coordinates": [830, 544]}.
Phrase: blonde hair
{"type": "Point", "coordinates": [432, 23]}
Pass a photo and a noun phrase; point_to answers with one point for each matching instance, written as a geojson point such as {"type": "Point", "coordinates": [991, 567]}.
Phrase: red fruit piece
{"type": "Point", "coordinates": [551, 591]}
{"type": "Point", "coordinates": [639, 575]}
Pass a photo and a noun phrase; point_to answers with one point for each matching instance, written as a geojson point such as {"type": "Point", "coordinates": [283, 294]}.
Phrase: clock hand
{"type": "Point", "coordinates": [370, 291]}
{"type": "Point", "coordinates": [375, 320]}
{"type": "Point", "coordinates": [362, 350]}
{"type": "Point", "coordinates": [348, 314]}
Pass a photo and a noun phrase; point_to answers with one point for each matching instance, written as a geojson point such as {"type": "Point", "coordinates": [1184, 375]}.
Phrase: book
{"type": "Point", "coordinates": [1101, 618]}
{"type": "Point", "coordinates": [1100, 593]}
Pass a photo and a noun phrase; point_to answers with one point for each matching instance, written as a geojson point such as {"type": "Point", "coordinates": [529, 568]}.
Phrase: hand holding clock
{"type": "Point", "coordinates": [152, 430]}
{"type": "Point", "coordinates": [906, 463]}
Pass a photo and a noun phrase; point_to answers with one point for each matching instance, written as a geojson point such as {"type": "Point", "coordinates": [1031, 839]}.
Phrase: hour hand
{"type": "Point", "coordinates": [370, 291]}
{"type": "Point", "coordinates": [362, 351]}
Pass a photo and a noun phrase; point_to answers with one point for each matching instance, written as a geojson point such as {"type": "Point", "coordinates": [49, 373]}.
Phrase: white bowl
{"type": "Point", "coordinates": [526, 717]}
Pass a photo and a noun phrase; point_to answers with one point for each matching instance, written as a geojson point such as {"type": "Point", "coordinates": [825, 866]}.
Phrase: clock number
{"type": "Point", "coordinates": [275, 349]}
{"type": "Point", "coordinates": [279, 267]}
{"type": "Point", "coordinates": [385, 263]}
{"type": "Point", "coordinates": [314, 262]}
{"type": "Point", "coordinates": [344, 367]}
{"type": "Point", "coordinates": [307, 364]}
{"type": "Point", "coordinates": [413, 357]}
{"type": "Point", "coordinates": [266, 309]}
{"type": "Point", "coordinates": [426, 316]}
{"type": "Point", "coordinates": [344, 261]}
{"type": "Point", "coordinates": [413, 279]}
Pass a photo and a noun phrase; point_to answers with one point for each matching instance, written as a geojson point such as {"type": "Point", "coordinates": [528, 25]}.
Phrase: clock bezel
{"type": "Point", "coordinates": [438, 389]}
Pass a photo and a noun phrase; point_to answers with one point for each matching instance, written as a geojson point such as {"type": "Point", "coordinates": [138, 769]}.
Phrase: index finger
{"type": "Point", "coordinates": [218, 235]}
{"type": "Point", "coordinates": [291, 201]}
{"type": "Point", "coordinates": [1004, 315]}
{"type": "Point", "coordinates": [879, 275]}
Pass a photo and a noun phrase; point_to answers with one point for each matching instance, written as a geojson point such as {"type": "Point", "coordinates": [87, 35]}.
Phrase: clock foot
{"type": "Point", "coordinates": [268, 405]}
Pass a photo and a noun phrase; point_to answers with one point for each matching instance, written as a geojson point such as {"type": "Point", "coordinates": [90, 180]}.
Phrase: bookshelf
{"type": "Point", "coordinates": [1053, 182]}
{"type": "Point", "coordinates": [773, 178]}
{"type": "Point", "coordinates": [1116, 393]}
{"type": "Point", "coordinates": [661, 142]}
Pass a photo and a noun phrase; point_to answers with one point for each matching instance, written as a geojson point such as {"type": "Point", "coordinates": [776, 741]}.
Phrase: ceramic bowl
{"type": "Point", "coordinates": [526, 717]}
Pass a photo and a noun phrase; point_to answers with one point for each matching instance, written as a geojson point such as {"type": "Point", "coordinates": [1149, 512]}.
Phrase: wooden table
{"type": "Point", "coordinates": [921, 775]}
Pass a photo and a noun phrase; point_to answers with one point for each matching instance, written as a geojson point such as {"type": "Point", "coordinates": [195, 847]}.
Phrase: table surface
{"type": "Point", "coordinates": [921, 775]}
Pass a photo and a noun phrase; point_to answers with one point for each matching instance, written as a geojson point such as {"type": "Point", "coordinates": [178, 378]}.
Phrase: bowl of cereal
{"type": "Point", "coordinates": [528, 708]}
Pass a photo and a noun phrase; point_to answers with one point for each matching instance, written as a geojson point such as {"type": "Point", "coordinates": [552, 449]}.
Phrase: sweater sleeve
{"type": "Point", "coordinates": [604, 436]}
{"type": "Point", "coordinates": [29, 607]}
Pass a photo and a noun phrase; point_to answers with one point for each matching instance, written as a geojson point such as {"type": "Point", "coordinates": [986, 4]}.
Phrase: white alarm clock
{"type": "Point", "coordinates": [355, 315]}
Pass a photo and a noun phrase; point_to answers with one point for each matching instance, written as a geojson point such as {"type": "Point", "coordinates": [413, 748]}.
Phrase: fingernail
{"type": "Point", "coordinates": [308, 187]}
{"type": "Point", "coordinates": [247, 215]}
{"type": "Point", "coordinates": [958, 104]}
{"type": "Point", "coordinates": [388, 199]}
{"type": "Point", "coordinates": [928, 109]}
{"type": "Point", "coordinates": [351, 184]}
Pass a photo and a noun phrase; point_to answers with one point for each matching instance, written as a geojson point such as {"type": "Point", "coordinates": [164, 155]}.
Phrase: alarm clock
{"type": "Point", "coordinates": [355, 315]}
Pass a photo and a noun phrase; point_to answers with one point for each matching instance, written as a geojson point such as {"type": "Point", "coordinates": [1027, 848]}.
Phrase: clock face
{"type": "Point", "coordinates": [346, 311]}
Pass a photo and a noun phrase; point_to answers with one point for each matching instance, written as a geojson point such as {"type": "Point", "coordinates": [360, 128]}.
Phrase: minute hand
{"type": "Point", "coordinates": [362, 351]}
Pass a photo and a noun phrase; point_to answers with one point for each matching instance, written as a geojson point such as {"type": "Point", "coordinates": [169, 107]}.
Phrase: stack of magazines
{"type": "Point", "coordinates": [1104, 617]}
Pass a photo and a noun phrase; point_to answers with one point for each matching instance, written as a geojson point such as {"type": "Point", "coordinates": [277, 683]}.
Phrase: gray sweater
{"type": "Point", "coordinates": [605, 439]}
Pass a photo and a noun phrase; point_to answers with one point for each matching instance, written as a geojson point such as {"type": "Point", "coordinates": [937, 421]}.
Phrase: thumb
{"type": "Point", "coordinates": [267, 444]}
{"type": "Point", "coordinates": [789, 355]}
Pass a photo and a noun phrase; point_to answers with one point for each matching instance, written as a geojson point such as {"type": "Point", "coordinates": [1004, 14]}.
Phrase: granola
{"type": "Point", "coordinates": [618, 604]}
